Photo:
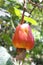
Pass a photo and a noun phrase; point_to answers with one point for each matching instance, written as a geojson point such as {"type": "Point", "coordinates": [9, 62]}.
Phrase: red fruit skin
{"type": "Point", "coordinates": [23, 37]}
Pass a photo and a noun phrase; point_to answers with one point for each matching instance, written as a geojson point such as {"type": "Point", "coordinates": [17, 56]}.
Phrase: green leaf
{"type": "Point", "coordinates": [9, 62]}
{"type": "Point", "coordinates": [32, 21]}
{"type": "Point", "coordinates": [11, 9]}
{"type": "Point", "coordinates": [27, 19]}
{"type": "Point", "coordinates": [17, 12]}
{"type": "Point", "coordinates": [28, 55]}
{"type": "Point", "coordinates": [6, 38]}
{"type": "Point", "coordinates": [1, 3]}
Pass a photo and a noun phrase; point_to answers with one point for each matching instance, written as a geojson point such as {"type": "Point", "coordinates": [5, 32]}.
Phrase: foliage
{"type": "Point", "coordinates": [10, 17]}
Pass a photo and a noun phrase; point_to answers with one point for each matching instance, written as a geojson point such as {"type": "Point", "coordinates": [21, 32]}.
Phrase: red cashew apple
{"type": "Point", "coordinates": [22, 40]}
{"type": "Point", "coordinates": [23, 37]}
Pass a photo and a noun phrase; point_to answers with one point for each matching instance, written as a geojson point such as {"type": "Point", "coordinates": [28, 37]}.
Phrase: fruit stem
{"type": "Point", "coordinates": [24, 6]}
{"type": "Point", "coordinates": [21, 53]}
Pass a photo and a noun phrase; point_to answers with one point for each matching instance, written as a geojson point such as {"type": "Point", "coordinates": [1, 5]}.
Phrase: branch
{"type": "Point", "coordinates": [34, 4]}
{"type": "Point", "coordinates": [32, 10]}
{"type": "Point", "coordinates": [24, 6]}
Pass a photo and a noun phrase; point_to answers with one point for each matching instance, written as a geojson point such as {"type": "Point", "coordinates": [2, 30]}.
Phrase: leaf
{"type": "Point", "coordinates": [6, 38]}
{"type": "Point", "coordinates": [27, 19]}
{"type": "Point", "coordinates": [11, 10]}
{"type": "Point", "coordinates": [4, 56]}
{"type": "Point", "coordinates": [17, 12]}
{"type": "Point", "coordinates": [1, 3]}
{"type": "Point", "coordinates": [27, 55]}
{"type": "Point", "coordinates": [32, 21]}
{"type": "Point", "coordinates": [9, 62]}
{"type": "Point", "coordinates": [0, 21]}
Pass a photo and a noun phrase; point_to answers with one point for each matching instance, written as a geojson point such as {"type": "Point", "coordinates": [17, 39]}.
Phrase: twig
{"type": "Point", "coordinates": [32, 10]}
{"type": "Point", "coordinates": [37, 5]}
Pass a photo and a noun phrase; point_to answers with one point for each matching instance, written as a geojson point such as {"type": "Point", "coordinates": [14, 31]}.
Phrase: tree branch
{"type": "Point", "coordinates": [34, 4]}
{"type": "Point", "coordinates": [32, 10]}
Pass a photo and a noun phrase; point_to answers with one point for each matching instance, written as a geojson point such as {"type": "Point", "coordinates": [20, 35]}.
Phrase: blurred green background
{"type": "Point", "coordinates": [10, 16]}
